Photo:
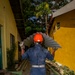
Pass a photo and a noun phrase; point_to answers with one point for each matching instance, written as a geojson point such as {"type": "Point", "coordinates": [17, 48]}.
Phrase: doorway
{"type": "Point", "coordinates": [0, 50]}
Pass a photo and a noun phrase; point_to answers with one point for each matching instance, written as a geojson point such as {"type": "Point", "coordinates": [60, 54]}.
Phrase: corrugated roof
{"type": "Point", "coordinates": [48, 41]}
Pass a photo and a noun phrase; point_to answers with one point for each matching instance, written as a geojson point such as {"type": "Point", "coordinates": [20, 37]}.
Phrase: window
{"type": "Point", "coordinates": [12, 40]}
{"type": "Point", "coordinates": [58, 25]}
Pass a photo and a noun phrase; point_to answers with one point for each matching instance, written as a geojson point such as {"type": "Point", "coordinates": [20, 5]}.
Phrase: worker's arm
{"type": "Point", "coordinates": [53, 53]}
{"type": "Point", "coordinates": [22, 51]}
{"type": "Point", "coordinates": [22, 48]}
{"type": "Point", "coordinates": [49, 56]}
{"type": "Point", "coordinates": [24, 54]}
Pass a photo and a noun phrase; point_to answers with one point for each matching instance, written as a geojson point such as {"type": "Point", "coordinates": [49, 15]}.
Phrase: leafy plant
{"type": "Point", "coordinates": [43, 10]}
{"type": "Point", "coordinates": [67, 71]}
{"type": "Point", "coordinates": [11, 57]}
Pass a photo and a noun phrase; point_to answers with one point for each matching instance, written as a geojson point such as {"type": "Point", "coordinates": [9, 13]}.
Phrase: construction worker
{"type": "Point", "coordinates": [37, 56]}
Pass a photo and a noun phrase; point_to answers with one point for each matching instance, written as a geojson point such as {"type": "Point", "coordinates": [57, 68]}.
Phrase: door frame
{"type": "Point", "coordinates": [1, 65]}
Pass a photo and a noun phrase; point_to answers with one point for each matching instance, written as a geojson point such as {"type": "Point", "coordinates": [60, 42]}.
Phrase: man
{"type": "Point", "coordinates": [37, 56]}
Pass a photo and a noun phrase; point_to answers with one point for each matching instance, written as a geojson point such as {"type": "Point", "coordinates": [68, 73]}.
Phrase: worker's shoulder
{"type": "Point", "coordinates": [44, 49]}
{"type": "Point", "coordinates": [31, 48]}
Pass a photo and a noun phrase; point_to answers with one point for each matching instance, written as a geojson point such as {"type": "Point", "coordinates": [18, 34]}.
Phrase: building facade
{"type": "Point", "coordinates": [8, 32]}
{"type": "Point", "coordinates": [63, 31]}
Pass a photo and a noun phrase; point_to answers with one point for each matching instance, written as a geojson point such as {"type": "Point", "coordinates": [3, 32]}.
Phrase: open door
{"type": "Point", "coordinates": [0, 51]}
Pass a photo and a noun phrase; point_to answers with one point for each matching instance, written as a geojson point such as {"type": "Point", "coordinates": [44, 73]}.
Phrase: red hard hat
{"type": "Point", "coordinates": [38, 37]}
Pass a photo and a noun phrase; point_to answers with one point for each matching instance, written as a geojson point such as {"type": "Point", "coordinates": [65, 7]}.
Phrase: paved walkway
{"type": "Point", "coordinates": [27, 70]}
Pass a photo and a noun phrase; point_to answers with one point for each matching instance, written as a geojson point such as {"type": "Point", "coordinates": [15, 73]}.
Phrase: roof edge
{"type": "Point", "coordinates": [69, 7]}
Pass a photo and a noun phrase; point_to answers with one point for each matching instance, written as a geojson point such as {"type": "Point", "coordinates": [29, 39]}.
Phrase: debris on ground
{"type": "Point", "coordinates": [59, 69]}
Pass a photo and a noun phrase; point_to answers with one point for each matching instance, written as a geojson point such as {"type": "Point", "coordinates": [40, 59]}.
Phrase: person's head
{"type": "Point", "coordinates": [38, 38]}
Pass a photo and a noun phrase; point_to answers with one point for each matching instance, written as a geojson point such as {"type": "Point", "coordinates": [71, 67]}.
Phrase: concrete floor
{"type": "Point", "coordinates": [27, 70]}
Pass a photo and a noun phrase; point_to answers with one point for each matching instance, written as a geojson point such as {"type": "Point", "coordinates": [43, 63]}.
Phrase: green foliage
{"type": "Point", "coordinates": [27, 29]}
{"type": "Point", "coordinates": [28, 9]}
{"type": "Point", "coordinates": [38, 29]}
{"type": "Point", "coordinates": [40, 9]}
{"type": "Point", "coordinates": [11, 57]}
{"type": "Point", "coordinates": [58, 69]}
{"type": "Point", "coordinates": [30, 29]}
{"type": "Point", "coordinates": [43, 9]}
{"type": "Point", "coordinates": [67, 71]}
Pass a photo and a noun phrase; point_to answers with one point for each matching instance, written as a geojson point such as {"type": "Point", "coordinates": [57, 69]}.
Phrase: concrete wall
{"type": "Point", "coordinates": [8, 24]}
{"type": "Point", "coordinates": [65, 36]}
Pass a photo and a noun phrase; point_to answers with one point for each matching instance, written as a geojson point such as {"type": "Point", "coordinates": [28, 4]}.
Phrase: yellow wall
{"type": "Point", "coordinates": [65, 36]}
{"type": "Point", "coordinates": [8, 26]}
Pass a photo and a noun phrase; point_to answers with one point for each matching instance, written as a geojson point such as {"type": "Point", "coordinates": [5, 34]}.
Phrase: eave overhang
{"type": "Point", "coordinates": [18, 14]}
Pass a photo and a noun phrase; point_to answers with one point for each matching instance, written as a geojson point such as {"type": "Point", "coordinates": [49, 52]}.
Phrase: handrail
{"type": "Point", "coordinates": [52, 70]}
{"type": "Point", "coordinates": [21, 68]}
{"type": "Point", "coordinates": [22, 65]}
{"type": "Point", "coordinates": [53, 67]}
